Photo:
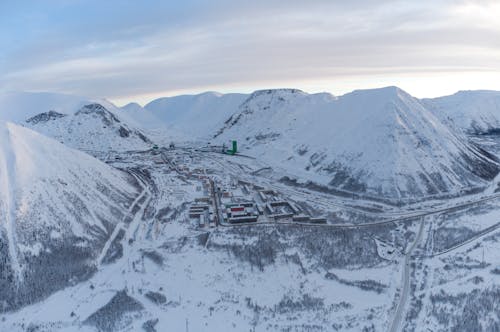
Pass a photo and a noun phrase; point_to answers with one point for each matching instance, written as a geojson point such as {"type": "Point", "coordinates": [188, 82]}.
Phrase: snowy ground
{"type": "Point", "coordinates": [163, 272]}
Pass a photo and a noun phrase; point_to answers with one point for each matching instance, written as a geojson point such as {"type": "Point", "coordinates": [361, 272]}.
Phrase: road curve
{"type": "Point", "coordinates": [405, 288]}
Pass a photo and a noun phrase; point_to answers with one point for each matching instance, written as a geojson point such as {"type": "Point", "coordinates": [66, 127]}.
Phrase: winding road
{"type": "Point", "coordinates": [405, 289]}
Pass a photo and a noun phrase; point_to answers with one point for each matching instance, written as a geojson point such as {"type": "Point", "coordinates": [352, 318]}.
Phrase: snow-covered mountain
{"type": "Point", "coordinates": [58, 207]}
{"type": "Point", "coordinates": [132, 107]}
{"type": "Point", "coordinates": [78, 122]}
{"type": "Point", "coordinates": [195, 116]}
{"type": "Point", "coordinates": [87, 247]}
{"type": "Point", "coordinates": [92, 127]}
{"type": "Point", "coordinates": [144, 119]}
{"type": "Point", "coordinates": [375, 142]}
{"type": "Point", "coordinates": [474, 112]}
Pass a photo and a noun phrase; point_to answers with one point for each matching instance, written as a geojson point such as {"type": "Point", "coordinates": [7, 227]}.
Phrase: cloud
{"type": "Point", "coordinates": [126, 49]}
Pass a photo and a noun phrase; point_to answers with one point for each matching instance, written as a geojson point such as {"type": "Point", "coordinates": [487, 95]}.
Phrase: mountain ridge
{"type": "Point", "coordinates": [349, 138]}
{"type": "Point", "coordinates": [81, 122]}
{"type": "Point", "coordinates": [472, 112]}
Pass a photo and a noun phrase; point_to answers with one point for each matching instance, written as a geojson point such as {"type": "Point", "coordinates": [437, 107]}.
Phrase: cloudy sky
{"type": "Point", "coordinates": [139, 50]}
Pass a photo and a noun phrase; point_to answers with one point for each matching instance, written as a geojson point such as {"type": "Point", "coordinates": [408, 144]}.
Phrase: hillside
{"type": "Point", "coordinates": [474, 112]}
{"type": "Point", "coordinates": [195, 116]}
{"type": "Point", "coordinates": [58, 207]}
{"type": "Point", "coordinates": [373, 142]}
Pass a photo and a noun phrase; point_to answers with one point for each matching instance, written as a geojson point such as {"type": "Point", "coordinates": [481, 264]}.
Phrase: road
{"type": "Point", "coordinates": [397, 323]}
{"type": "Point", "coordinates": [398, 319]}
{"type": "Point", "coordinates": [215, 196]}
{"type": "Point", "coordinates": [394, 218]}
{"type": "Point", "coordinates": [479, 235]}
{"type": "Point", "coordinates": [122, 224]}
{"type": "Point", "coordinates": [405, 289]}
{"type": "Point", "coordinates": [378, 223]}
{"type": "Point", "coordinates": [326, 199]}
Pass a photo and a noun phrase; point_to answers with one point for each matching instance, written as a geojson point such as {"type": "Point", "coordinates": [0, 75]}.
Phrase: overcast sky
{"type": "Point", "coordinates": [139, 50]}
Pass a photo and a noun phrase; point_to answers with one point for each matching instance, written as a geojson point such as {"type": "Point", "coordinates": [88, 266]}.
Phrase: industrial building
{"type": "Point", "coordinates": [230, 201]}
{"type": "Point", "coordinates": [241, 212]}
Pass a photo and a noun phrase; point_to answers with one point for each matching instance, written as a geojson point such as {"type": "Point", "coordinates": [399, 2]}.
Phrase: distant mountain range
{"type": "Point", "coordinates": [474, 112]}
{"type": "Point", "coordinates": [59, 207]}
{"type": "Point", "coordinates": [376, 143]}
{"type": "Point", "coordinates": [188, 117]}
{"type": "Point", "coordinates": [380, 142]}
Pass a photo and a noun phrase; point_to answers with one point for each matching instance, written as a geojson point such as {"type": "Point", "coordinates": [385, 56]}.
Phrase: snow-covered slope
{"type": "Point", "coordinates": [58, 207]}
{"type": "Point", "coordinates": [78, 122]}
{"type": "Point", "coordinates": [195, 116]}
{"type": "Point", "coordinates": [375, 142]}
{"type": "Point", "coordinates": [92, 127]}
{"type": "Point", "coordinates": [143, 118]}
{"type": "Point", "coordinates": [474, 112]}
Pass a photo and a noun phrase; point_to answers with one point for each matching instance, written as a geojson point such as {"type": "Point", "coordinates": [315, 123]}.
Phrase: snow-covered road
{"type": "Point", "coordinates": [405, 288]}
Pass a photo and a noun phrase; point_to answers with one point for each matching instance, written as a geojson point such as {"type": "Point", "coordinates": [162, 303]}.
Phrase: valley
{"type": "Point", "coordinates": [159, 252]}
{"type": "Point", "coordinates": [259, 238]}
{"type": "Point", "coordinates": [249, 166]}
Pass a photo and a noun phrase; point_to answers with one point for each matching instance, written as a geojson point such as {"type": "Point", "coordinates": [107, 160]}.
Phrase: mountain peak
{"type": "Point", "coordinates": [210, 94]}
{"type": "Point", "coordinates": [471, 111]}
{"type": "Point", "coordinates": [274, 92]}
{"type": "Point", "coordinates": [473, 93]}
{"type": "Point", "coordinates": [388, 92]}
{"type": "Point", "coordinates": [269, 96]}
{"type": "Point", "coordinates": [132, 105]}
{"type": "Point", "coordinates": [97, 109]}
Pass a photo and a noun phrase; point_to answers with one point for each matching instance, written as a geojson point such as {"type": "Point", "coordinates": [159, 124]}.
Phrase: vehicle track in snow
{"type": "Point", "coordinates": [122, 225]}
{"type": "Point", "coordinates": [479, 235]}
